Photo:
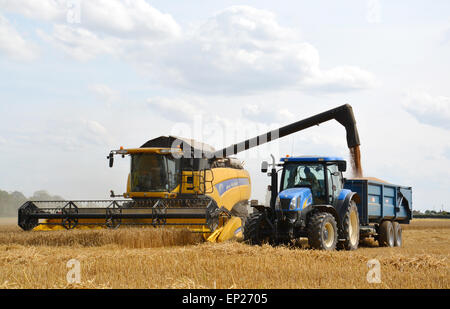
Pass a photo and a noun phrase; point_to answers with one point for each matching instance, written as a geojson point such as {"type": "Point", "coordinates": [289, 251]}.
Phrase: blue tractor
{"type": "Point", "coordinates": [311, 202]}
{"type": "Point", "coordinates": [315, 201]}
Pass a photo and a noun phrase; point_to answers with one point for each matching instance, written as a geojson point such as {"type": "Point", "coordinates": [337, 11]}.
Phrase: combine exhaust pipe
{"type": "Point", "coordinates": [343, 114]}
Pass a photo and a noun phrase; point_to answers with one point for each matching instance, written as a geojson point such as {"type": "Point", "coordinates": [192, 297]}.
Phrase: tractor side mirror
{"type": "Point", "coordinates": [342, 166]}
{"type": "Point", "coordinates": [264, 166]}
{"type": "Point", "coordinates": [111, 159]}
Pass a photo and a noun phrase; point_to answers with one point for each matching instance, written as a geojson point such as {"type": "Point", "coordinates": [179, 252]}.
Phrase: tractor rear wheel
{"type": "Point", "coordinates": [255, 229]}
{"type": "Point", "coordinates": [386, 234]}
{"type": "Point", "coordinates": [397, 234]}
{"type": "Point", "coordinates": [350, 228]}
{"type": "Point", "coordinates": [322, 231]}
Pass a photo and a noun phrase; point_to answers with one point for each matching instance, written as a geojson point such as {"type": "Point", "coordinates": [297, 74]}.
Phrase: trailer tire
{"type": "Point", "coordinates": [386, 234]}
{"type": "Point", "coordinates": [254, 229]}
{"type": "Point", "coordinates": [397, 234]}
{"type": "Point", "coordinates": [350, 228]}
{"type": "Point", "coordinates": [322, 231]}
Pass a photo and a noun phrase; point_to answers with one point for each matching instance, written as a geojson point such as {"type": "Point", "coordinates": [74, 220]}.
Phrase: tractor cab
{"type": "Point", "coordinates": [320, 177]}
{"type": "Point", "coordinates": [306, 181]}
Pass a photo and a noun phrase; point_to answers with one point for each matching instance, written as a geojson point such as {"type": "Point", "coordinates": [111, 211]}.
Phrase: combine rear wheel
{"type": "Point", "coordinates": [350, 228]}
{"type": "Point", "coordinates": [322, 231]}
{"type": "Point", "coordinates": [386, 234]}
{"type": "Point", "coordinates": [397, 234]}
{"type": "Point", "coordinates": [255, 229]}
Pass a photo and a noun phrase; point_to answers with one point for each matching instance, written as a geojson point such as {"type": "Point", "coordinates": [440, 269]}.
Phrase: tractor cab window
{"type": "Point", "coordinates": [153, 173]}
{"type": "Point", "coordinates": [306, 175]}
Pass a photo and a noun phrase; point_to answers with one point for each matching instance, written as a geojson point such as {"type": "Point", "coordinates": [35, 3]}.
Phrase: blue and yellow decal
{"type": "Point", "coordinates": [226, 185]}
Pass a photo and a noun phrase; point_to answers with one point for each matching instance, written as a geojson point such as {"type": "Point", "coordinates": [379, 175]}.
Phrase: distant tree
{"type": "Point", "coordinates": [417, 213]}
{"type": "Point", "coordinates": [11, 201]}
{"type": "Point", "coordinates": [43, 195]}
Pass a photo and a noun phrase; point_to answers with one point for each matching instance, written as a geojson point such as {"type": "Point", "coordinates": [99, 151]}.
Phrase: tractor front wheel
{"type": "Point", "coordinates": [255, 229]}
{"type": "Point", "coordinates": [322, 231]}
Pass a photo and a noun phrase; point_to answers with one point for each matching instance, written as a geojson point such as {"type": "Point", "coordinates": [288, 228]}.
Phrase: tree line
{"type": "Point", "coordinates": [431, 214]}
{"type": "Point", "coordinates": [11, 201]}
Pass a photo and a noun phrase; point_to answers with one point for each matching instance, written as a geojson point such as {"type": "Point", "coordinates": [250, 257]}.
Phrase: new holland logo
{"type": "Point", "coordinates": [226, 185]}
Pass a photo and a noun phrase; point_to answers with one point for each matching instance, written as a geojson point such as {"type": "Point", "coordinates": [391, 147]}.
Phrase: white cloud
{"type": "Point", "coordinates": [75, 134]}
{"type": "Point", "coordinates": [105, 93]}
{"type": "Point", "coordinates": [343, 78]}
{"type": "Point", "coordinates": [239, 50]}
{"type": "Point", "coordinates": [180, 110]}
{"type": "Point", "coordinates": [266, 114]}
{"type": "Point", "coordinates": [428, 109]}
{"type": "Point", "coordinates": [13, 45]}
{"type": "Point", "coordinates": [80, 43]}
{"type": "Point", "coordinates": [49, 10]}
{"type": "Point", "coordinates": [242, 50]}
{"type": "Point", "coordinates": [373, 11]}
{"type": "Point", "coordinates": [128, 19]}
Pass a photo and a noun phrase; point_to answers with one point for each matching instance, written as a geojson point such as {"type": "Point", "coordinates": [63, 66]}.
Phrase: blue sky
{"type": "Point", "coordinates": [128, 71]}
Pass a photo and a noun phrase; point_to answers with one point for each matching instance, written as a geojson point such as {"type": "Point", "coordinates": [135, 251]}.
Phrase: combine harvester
{"type": "Point", "coordinates": [182, 183]}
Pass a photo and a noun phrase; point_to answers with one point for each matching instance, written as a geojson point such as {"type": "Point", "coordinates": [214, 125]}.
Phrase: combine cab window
{"type": "Point", "coordinates": [153, 173]}
{"type": "Point", "coordinates": [306, 175]}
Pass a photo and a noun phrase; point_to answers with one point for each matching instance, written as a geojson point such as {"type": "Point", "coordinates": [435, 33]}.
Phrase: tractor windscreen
{"type": "Point", "coordinates": [154, 173]}
{"type": "Point", "coordinates": [305, 175]}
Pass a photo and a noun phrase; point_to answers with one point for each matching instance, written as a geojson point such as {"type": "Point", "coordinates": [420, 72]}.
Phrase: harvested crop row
{"type": "Point", "coordinates": [124, 237]}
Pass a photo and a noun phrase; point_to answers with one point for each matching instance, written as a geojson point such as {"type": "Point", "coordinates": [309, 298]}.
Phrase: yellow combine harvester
{"type": "Point", "coordinates": [172, 182]}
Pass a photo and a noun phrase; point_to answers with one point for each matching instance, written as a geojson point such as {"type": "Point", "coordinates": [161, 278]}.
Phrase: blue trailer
{"type": "Point", "coordinates": [381, 202]}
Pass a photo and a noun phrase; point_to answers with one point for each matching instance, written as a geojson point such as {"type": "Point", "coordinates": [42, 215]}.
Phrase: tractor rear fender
{"type": "Point", "coordinates": [343, 203]}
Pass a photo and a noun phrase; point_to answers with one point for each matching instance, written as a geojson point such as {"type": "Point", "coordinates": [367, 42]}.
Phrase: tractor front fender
{"type": "Point", "coordinates": [342, 205]}
{"type": "Point", "coordinates": [330, 209]}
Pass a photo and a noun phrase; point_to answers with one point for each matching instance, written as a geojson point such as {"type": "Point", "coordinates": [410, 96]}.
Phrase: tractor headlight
{"type": "Point", "coordinates": [293, 204]}
{"type": "Point", "coordinates": [277, 203]}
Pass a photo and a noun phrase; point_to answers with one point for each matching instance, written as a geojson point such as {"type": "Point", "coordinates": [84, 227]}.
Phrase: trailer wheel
{"type": "Point", "coordinates": [350, 228]}
{"type": "Point", "coordinates": [386, 234]}
{"type": "Point", "coordinates": [255, 228]}
{"type": "Point", "coordinates": [322, 231]}
{"type": "Point", "coordinates": [397, 234]}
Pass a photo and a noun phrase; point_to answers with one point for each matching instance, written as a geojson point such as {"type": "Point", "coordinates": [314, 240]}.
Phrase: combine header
{"type": "Point", "coordinates": [177, 182]}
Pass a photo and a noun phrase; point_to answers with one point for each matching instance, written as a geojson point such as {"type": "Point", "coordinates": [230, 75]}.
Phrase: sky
{"type": "Point", "coordinates": [79, 78]}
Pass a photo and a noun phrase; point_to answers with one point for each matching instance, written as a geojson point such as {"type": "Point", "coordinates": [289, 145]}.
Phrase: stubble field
{"type": "Point", "coordinates": [155, 258]}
